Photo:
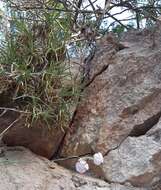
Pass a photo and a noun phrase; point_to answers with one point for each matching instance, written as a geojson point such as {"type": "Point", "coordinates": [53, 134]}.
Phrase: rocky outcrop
{"type": "Point", "coordinates": [118, 115]}
{"type": "Point", "coordinates": [121, 103]}
{"type": "Point", "coordinates": [22, 170]}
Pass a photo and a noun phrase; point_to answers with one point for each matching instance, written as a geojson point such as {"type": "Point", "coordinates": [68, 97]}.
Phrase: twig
{"type": "Point", "coordinates": [87, 156]}
{"type": "Point", "coordinates": [11, 125]}
{"type": "Point", "coordinates": [77, 11]}
{"type": "Point", "coordinates": [4, 111]}
{"type": "Point", "coordinates": [13, 109]}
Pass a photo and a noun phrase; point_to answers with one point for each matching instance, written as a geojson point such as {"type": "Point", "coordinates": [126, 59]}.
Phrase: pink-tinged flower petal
{"type": "Point", "coordinates": [81, 166]}
{"type": "Point", "coordinates": [98, 158]}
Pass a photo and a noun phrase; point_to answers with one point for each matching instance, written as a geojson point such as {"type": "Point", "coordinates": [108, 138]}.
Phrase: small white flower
{"type": "Point", "coordinates": [98, 158]}
{"type": "Point", "coordinates": [81, 166]}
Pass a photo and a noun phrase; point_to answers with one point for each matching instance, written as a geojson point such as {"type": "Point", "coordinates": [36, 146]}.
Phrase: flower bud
{"type": "Point", "coordinates": [81, 166]}
{"type": "Point", "coordinates": [98, 158]}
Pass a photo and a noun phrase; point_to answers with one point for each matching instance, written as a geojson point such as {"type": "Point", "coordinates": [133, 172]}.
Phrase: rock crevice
{"type": "Point", "coordinates": [148, 124]}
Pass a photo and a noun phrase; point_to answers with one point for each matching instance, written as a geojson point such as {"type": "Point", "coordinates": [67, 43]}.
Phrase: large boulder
{"type": "Point", "coordinates": [121, 102]}
{"type": "Point", "coordinates": [22, 170]}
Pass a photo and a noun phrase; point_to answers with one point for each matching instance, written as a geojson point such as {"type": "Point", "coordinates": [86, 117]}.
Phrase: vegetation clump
{"type": "Point", "coordinates": [35, 77]}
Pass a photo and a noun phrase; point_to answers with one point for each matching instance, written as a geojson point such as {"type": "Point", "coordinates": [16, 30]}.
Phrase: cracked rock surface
{"type": "Point", "coordinates": [120, 106]}
{"type": "Point", "coordinates": [22, 170]}
{"type": "Point", "coordinates": [137, 160]}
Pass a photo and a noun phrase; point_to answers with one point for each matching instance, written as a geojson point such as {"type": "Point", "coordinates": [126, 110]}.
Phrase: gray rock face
{"type": "Point", "coordinates": [121, 103]}
{"type": "Point", "coordinates": [137, 160]}
{"type": "Point", "coordinates": [22, 170]}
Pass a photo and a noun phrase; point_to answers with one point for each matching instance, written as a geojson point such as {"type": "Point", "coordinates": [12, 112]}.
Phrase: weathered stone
{"type": "Point", "coordinates": [137, 161]}
{"type": "Point", "coordinates": [22, 170]}
{"type": "Point", "coordinates": [39, 138]}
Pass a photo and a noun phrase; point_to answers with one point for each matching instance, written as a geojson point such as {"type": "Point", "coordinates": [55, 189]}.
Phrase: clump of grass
{"type": "Point", "coordinates": [34, 72]}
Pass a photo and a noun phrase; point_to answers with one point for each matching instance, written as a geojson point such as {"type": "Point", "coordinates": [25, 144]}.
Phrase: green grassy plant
{"type": "Point", "coordinates": [34, 70]}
